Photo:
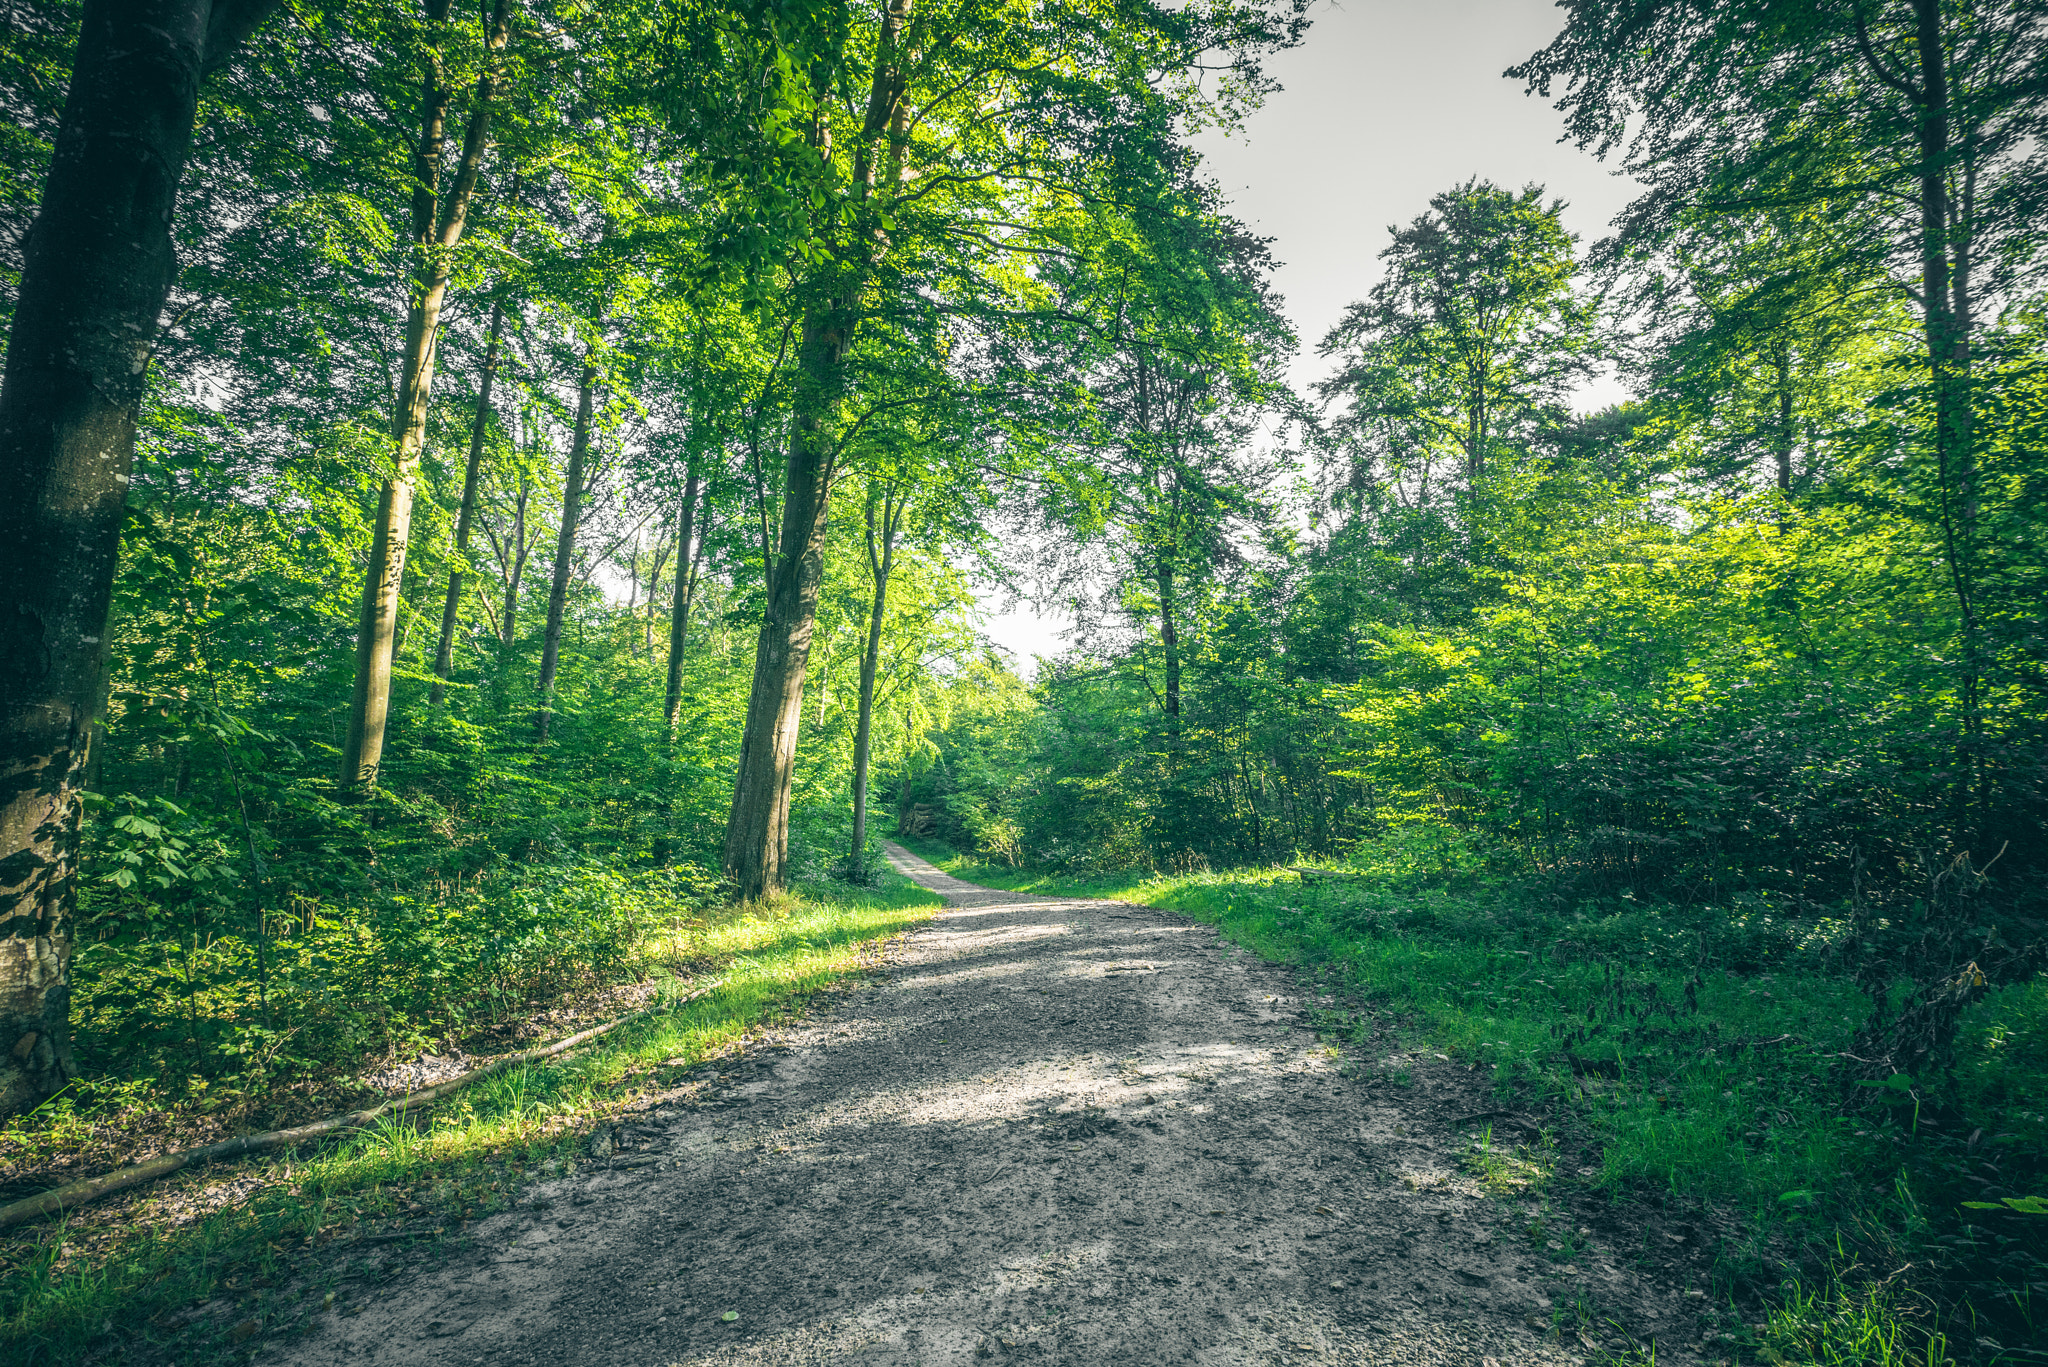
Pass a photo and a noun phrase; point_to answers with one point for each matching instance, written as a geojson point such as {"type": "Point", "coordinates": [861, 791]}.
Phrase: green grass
{"type": "Point", "coordinates": [1695, 1052]}
{"type": "Point", "coordinates": [63, 1296]}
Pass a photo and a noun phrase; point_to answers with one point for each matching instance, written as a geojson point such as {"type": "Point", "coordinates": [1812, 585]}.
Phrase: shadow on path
{"type": "Point", "coordinates": [1058, 1132]}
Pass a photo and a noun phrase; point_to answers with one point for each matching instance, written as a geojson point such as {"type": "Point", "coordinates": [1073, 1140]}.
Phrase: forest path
{"type": "Point", "coordinates": [1059, 1131]}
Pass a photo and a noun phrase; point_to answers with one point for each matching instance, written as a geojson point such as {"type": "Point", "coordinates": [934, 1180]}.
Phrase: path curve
{"type": "Point", "coordinates": [1059, 1132]}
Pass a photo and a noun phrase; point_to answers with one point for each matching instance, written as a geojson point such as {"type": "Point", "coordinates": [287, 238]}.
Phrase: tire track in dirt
{"type": "Point", "coordinates": [1059, 1131]}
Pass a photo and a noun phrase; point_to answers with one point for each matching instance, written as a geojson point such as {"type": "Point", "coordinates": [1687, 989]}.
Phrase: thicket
{"type": "Point", "coordinates": [562, 439]}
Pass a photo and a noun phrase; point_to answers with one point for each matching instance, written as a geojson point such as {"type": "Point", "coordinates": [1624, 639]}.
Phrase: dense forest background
{"type": "Point", "coordinates": [639, 378]}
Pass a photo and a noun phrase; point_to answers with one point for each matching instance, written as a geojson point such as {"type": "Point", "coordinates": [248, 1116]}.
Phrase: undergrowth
{"type": "Point", "coordinates": [1702, 1050]}
{"type": "Point", "coordinates": [73, 1290]}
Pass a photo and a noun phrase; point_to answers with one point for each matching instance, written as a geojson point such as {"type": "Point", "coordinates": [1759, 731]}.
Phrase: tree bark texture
{"type": "Point", "coordinates": [97, 267]}
{"type": "Point", "coordinates": [757, 834]}
{"type": "Point", "coordinates": [437, 226]}
{"type": "Point", "coordinates": [693, 528]}
{"type": "Point", "coordinates": [881, 559]}
{"type": "Point", "coordinates": [444, 653]}
{"type": "Point", "coordinates": [514, 558]}
{"type": "Point", "coordinates": [1945, 300]}
{"type": "Point", "coordinates": [565, 552]}
{"type": "Point", "coordinates": [689, 545]}
{"type": "Point", "coordinates": [1169, 641]}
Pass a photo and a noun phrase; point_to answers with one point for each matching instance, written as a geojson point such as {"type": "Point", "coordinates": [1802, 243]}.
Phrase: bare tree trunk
{"type": "Point", "coordinates": [1945, 300]}
{"type": "Point", "coordinates": [96, 269]}
{"type": "Point", "coordinates": [1169, 640]}
{"type": "Point", "coordinates": [444, 653]}
{"type": "Point", "coordinates": [757, 833]}
{"type": "Point", "coordinates": [1782, 440]}
{"type": "Point", "coordinates": [565, 550]}
{"type": "Point", "coordinates": [661, 553]}
{"type": "Point", "coordinates": [515, 566]}
{"type": "Point", "coordinates": [436, 231]}
{"type": "Point", "coordinates": [880, 560]}
{"type": "Point", "coordinates": [688, 553]}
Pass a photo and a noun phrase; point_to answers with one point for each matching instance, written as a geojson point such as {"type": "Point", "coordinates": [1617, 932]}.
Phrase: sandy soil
{"type": "Point", "coordinates": [1057, 1132]}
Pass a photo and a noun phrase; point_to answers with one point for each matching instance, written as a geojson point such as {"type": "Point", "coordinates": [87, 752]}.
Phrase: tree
{"type": "Point", "coordinates": [1161, 410]}
{"type": "Point", "coordinates": [97, 267]}
{"type": "Point", "coordinates": [573, 490]}
{"type": "Point", "coordinates": [1769, 351]}
{"type": "Point", "coordinates": [438, 220]}
{"type": "Point", "coordinates": [955, 121]}
{"type": "Point", "coordinates": [452, 606]}
{"type": "Point", "coordinates": [886, 505]}
{"type": "Point", "coordinates": [1914, 125]}
{"type": "Point", "coordinates": [1471, 341]}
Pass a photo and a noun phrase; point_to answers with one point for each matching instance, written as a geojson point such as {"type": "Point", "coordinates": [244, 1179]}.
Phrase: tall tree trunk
{"type": "Point", "coordinates": [1475, 437]}
{"type": "Point", "coordinates": [687, 554]}
{"type": "Point", "coordinates": [436, 231]}
{"type": "Point", "coordinates": [515, 566]}
{"type": "Point", "coordinates": [689, 551]}
{"type": "Point", "coordinates": [1169, 639]}
{"type": "Point", "coordinates": [1945, 300]}
{"type": "Point", "coordinates": [96, 269]}
{"type": "Point", "coordinates": [757, 833]}
{"type": "Point", "coordinates": [661, 554]}
{"type": "Point", "coordinates": [880, 561]}
{"type": "Point", "coordinates": [1782, 439]}
{"type": "Point", "coordinates": [565, 550]}
{"type": "Point", "coordinates": [444, 653]}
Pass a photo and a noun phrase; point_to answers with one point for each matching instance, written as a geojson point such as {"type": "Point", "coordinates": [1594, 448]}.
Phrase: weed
{"type": "Point", "coordinates": [1702, 1049]}
{"type": "Point", "coordinates": [61, 1294]}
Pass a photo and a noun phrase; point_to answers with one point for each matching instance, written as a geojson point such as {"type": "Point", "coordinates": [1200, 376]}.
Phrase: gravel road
{"type": "Point", "coordinates": [1055, 1131]}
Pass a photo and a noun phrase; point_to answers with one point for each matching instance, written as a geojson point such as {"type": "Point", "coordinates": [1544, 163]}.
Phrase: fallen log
{"type": "Point", "coordinates": [137, 1174]}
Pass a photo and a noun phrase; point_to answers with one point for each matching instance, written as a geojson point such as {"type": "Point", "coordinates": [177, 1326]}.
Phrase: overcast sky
{"type": "Point", "coordinates": [1385, 104]}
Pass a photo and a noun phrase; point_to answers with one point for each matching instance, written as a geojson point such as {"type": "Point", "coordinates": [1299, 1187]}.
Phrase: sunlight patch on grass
{"type": "Point", "coordinates": [467, 1157]}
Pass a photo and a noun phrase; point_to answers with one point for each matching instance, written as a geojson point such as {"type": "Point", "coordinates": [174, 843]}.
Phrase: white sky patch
{"type": "Point", "coordinates": [1388, 103]}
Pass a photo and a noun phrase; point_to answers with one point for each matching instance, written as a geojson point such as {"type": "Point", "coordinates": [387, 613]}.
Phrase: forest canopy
{"type": "Point", "coordinates": [479, 478]}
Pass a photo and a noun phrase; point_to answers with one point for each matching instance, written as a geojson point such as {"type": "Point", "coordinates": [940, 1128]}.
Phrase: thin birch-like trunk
{"type": "Point", "coordinates": [881, 559]}
{"type": "Point", "coordinates": [444, 653]}
{"type": "Point", "coordinates": [436, 231]}
{"type": "Point", "coordinates": [689, 551]}
{"type": "Point", "coordinates": [565, 550]}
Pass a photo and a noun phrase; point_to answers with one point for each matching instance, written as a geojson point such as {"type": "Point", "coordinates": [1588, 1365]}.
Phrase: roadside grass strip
{"type": "Point", "coordinates": [68, 1291]}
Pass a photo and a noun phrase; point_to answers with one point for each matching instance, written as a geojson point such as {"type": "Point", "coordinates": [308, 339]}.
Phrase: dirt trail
{"type": "Point", "coordinates": [1059, 1132]}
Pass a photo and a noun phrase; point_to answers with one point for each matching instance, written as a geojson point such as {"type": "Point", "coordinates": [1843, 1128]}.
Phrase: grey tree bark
{"type": "Point", "coordinates": [97, 267]}
{"type": "Point", "coordinates": [881, 546]}
{"type": "Point", "coordinates": [437, 226]}
{"type": "Point", "coordinates": [444, 653]}
{"type": "Point", "coordinates": [689, 552]}
{"type": "Point", "coordinates": [565, 551]}
{"type": "Point", "coordinates": [757, 832]}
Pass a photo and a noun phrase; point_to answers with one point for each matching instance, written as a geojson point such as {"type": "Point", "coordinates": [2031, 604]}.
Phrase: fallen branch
{"type": "Point", "coordinates": [136, 1174]}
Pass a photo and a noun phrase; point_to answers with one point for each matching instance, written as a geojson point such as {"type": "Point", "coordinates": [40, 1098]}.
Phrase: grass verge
{"type": "Point", "coordinates": [71, 1291]}
{"type": "Point", "coordinates": [1697, 1048]}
